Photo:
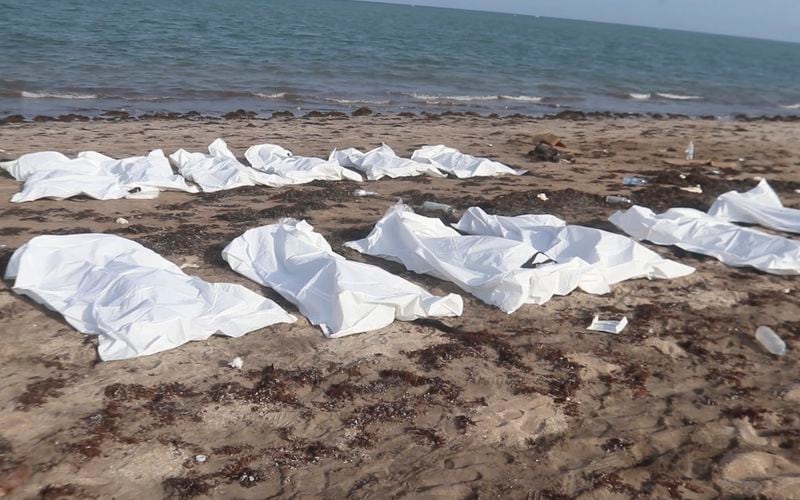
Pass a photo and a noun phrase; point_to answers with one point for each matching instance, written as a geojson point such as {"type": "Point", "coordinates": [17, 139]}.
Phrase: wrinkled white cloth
{"type": "Point", "coordinates": [53, 175]}
{"type": "Point", "coordinates": [220, 170]}
{"type": "Point", "coordinates": [382, 162]}
{"type": "Point", "coordinates": [486, 266]}
{"type": "Point", "coordinates": [274, 159]}
{"type": "Point", "coordinates": [137, 302]}
{"type": "Point", "coordinates": [617, 257]}
{"type": "Point", "coordinates": [698, 232]}
{"type": "Point", "coordinates": [760, 205]}
{"type": "Point", "coordinates": [462, 165]}
{"type": "Point", "coordinates": [341, 296]}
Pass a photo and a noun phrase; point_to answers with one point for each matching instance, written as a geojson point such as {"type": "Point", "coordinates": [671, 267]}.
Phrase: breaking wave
{"type": "Point", "coordinates": [791, 106]}
{"type": "Point", "coordinates": [640, 97]}
{"type": "Point", "coordinates": [678, 97]}
{"type": "Point", "coordinates": [55, 95]}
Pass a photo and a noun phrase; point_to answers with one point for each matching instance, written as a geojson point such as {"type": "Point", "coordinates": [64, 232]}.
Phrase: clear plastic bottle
{"type": "Point", "coordinates": [690, 151]}
{"type": "Point", "coordinates": [770, 340]}
{"type": "Point", "coordinates": [617, 199]}
{"type": "Point", "coordinates": [634, 181]}
{"type": "Point", "coordinates": [432, 205]}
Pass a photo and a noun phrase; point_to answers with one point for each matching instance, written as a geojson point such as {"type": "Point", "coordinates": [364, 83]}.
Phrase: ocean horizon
{"type": "Point", "coordinates": [339, 55]}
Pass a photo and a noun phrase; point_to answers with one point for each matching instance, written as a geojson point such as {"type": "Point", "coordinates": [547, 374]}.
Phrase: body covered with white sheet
{"type": "Point", "coordinates": [53, 175]}
{"type": "Point", "coordinates": [698, 232]}
{"type": "Point", "coordinates": [462, 165]}
{"type": "Point", "coordinates": [276, 160]}
{"type": "Point", "coordinates": [220, 170]}
{"type": "Point", "coordinates": [488, 267]}
{"type": "Point", "coordinates": [341, 296]}
{"type": "Point", "coordinates": [617, 257]}
{"type": "Point", "coordinates": [760, 205]}
{"type": "Point", "coordinates": [383, 162]}
{"type": "Point", "coordinates": [137, 302]}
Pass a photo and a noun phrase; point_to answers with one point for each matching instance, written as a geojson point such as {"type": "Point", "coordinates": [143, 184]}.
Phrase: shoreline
{"type": "Point", "coordinates": [242, 114]}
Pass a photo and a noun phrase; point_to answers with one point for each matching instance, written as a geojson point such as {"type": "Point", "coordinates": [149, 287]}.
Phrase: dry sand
{"type": "Point", "coordinates": [683, 404]}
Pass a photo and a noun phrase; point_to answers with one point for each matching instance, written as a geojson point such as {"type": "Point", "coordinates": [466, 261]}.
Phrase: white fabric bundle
{"type": "Point", "coordinates": [760, 205]}
{"type": "Point", "coordinates": [486, 266]}
{"type": "Point", "coordinates": [341, 296]}
{"type": "Point", "coordinates": [617, 257]}
{"type": "Point", "coordinates": [382, 162]}
{"type": "Point", "coordinates": [462, 165]}
{"type": "Point", "coordinates": [220, 170]}
{"type": "Point", "coordinates": [276, 160]}
{"type": "Point", "coordinates": [701, 233]}
{"type": "Point", "coordinates": [52, 175]}
{"type": "Point", "coordinates": [137, 302]}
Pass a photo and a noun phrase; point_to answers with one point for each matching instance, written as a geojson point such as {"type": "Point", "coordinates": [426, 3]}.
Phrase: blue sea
{"type": "Point", "coordinates": [84, 56]}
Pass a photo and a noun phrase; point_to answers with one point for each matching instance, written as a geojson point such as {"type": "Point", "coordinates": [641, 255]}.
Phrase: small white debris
{"type": "Point", "coordinates": [787, 290]}
{"type": "Point", "coordinates": [189, 265]}
{"type": "Point", "coordinates": [200, 459]}
{"type": "Point", "coordinates": [363, 192]}
{"type": "Point", "coordinates": [683, 176]}
{"type": "Point", "coordinates": [236, 363]}
{"type": "Point", "coordinates": [693, 189]}
{"type": "Point", "coordinates": [122, 220]}
{"type": "Point", "coordinates": [716, 172]}
{"type": "Point", "coordinates": [797, 191]}
{"type": "Point", "coordinates": [542, 196]}
{"type": "Point", "coordinates": [608, 326]}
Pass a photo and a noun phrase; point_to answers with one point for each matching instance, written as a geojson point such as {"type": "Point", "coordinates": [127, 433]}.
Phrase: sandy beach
{"type": "Point", "coordinates": [683, 404]}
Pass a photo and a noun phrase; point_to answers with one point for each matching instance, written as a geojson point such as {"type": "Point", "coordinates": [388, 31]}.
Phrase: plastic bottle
{"type": "Point", "coordinates": [363, 192]}
{"type": "Point", "coordinates": [770, 340]}
{"type": "Point", "coordinates": [690, 151]}
{"type": "Point", "coordinates": [617, 199]}
{"type": "Point", "coordinates": [432, 205]}
{"type": "Point", "coordinates": [634, 181]}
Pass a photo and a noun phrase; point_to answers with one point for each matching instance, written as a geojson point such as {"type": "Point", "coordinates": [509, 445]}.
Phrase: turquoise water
{"type": "Point", "coordinates": [84, 56]}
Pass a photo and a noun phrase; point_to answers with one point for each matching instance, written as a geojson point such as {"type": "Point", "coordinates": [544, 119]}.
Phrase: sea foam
{"type": "Point", "coordinates": [55, 95]}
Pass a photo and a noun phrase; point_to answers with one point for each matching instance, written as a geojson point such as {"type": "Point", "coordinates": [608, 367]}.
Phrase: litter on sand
{"type": "Point", "coordinates": [382, 162]}
{"type": "Point", "coordinates": [770, 340]}
{"type": "Point", "coordinates": [461, 165]}
{"type": "Point", "coordinates": [698, 189]}
{"type": "Point", "coordinates": [343, 297]}
{"type": "Point", "coordinates": [122, 220]}
{"type": "Point", "coordinates": [236, 363]}
{"type": "Point", "coordinates": [698, 232]}
{"type": "Point", "coordinates": [760, 205]}
{"type": "Point", "coordinates": [273, 159]}
{"type": "Point", "coordinates": [53, 175]}
{"type": "Point", "coordinates": [220, 170]}
{"type": "Point", "coordinates": [608, 326]}
{"type": "Point", "coordinates": [134, 300]}
{"type": "Point", "coordinates": [616, 257]}
{"type": "Point", "coordinates": [488, 267]}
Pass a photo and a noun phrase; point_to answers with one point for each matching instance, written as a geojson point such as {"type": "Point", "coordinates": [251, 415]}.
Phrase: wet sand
{"type": "Point", "coordinates": [683, 404]}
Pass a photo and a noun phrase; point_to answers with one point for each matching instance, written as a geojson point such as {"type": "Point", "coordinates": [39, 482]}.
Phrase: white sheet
{"type": "Point", "coordinates": [701, 233]}
{"type": "Point", "coordinates": [220, 170]}
{"type": "Point", "coordinates": [382, 162]}
{"type": "Point", "coordinates": [616, 257]}
{"type": "Point", "coordinates": [462, 165]}
{"type": "Point", "coordinates": [341, 296]}
{"type": "Point", "coordinates": [274, 159]}
{"type": "Point", "coordinates": [53, 175]}
{"type": "Point", "coordinates": [486, 266]}
{"type": "Point", "coordinates": [760, 205]}
{"type": "Point", "coordinates": [137, 302]}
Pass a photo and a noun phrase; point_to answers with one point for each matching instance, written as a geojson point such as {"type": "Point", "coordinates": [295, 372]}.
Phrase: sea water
{"type": "Point", "coordinates": [86, 57]}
